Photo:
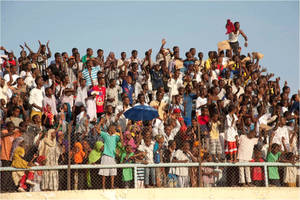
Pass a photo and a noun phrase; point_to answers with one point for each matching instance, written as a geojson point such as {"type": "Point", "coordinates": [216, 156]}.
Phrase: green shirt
{"type": "Point", "coordinates": [84, 58]}
{"type": "Point", "coordinates": [273, 171]}
{"type": "Point", "coordinates": [127, 172]}
{"type": "Point", "coordinates": [110, 143]}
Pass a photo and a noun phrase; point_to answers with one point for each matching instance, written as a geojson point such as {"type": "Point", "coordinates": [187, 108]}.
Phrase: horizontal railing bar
{"type": "Point", "coordinates": [210, 164]}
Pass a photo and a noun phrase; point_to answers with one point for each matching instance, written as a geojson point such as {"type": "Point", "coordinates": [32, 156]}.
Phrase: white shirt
{"type": "Point", "coordinates": [200, 102]}
{"type": "Point", "coordinates": [122, 120]}
{"type": "Point", "coordinates": [231, 130]}
{"type": "Point", "coordinates": [174, 85]}
{"type": "Point", "coordinates": [181, 171]}
{"type": "Point", "coordinates": [81, 95]}
{"type": "Point", "coordinates": [148, 150]}
{"type": "Point", "coordinates": [36, 97]}
{"type": "Point", "coordinates": [279, 133]}
{"type": "Point", "coordinates": [14, 76]}
{"type": "Point", "coordinates": [112, 93]}
{"type": "Point", "coordinates": [245, 149]}
{"type": "Point", "coordinates": [157, 127]}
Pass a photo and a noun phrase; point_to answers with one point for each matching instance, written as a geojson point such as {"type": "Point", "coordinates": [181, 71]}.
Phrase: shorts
{"type": "Point", "coordinates": [275, 182]}
{"type": "Point", "coordinates": [230, 147]}
{"type": "Point", "coordinates": [215, 146]}
{"type": "Point", "coordinates": [234, 46]}
{"type": "Point", "coordinates": [107, 160]}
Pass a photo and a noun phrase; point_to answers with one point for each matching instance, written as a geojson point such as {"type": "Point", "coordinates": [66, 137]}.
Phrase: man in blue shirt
{"type": "Point", "coordinates": [110, 139]}
{"type": "Point", "coordinates": [188, 104]}
{"type": "Point", "coordinates": [128, 88]}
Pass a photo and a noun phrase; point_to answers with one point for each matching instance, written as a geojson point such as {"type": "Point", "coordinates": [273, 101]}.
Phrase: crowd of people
{"type": "Point", "coordinates": [240, 113]}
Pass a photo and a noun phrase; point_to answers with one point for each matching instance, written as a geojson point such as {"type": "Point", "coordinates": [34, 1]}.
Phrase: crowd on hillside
{"type": "Point", "coordinates": [240, 113]}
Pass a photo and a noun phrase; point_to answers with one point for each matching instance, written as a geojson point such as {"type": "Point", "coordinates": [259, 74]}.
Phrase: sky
{"type": "Point", "coordinates": [272, 28]}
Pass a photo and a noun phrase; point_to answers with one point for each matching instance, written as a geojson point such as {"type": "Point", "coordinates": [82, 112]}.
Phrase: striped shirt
{"type": "Point", "coordinates": [87, 77]}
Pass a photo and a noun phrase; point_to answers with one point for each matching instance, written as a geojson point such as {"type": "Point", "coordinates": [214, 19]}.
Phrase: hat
{"type": "Point", "coordinates": [246, 59]}
{"type": "Point", "coordinates": [257, 55]}
{"type": "Point", "coordinates": [223, 45]}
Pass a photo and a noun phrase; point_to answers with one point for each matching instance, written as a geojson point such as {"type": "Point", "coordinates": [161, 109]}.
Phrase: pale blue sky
{"type": "Point", "coordinates": [272, 28]}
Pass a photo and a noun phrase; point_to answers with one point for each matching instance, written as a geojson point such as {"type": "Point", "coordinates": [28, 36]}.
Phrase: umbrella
{"type": "Point", "coordinates": [141, 113]}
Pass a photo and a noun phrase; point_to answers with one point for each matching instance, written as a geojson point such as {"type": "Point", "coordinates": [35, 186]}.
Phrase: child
{"type": "Point", "coordinates": [208, 173]}
{"type": "Point", "coordinates": [158, 151]}
{"type": "Point", "coordinates": [168, 156]}
{"type": "Point", "coordinates": [231, 135]}
{"type": "Point", "coordinates": [257, 173]}
{"type": "Point", "coordinates": [203, 120]}
{"type": "Point", "coordinates": [147, 148]}
{"type": "Point", "coordinates": [245, 151]}
{"type": "Point", "coordinates": [214, 140]}
{"type": "Point", "coordinates": [94, 158]}
{"type": "Point", "coordinates": [37, 180]}
{"type": "Point", "coordinates": [274, 154]}
{"type": "Point", "coordinates": [108, 158]}
{"type": "Point", "coordinates": [18, 162]}
{"type": "Point", "coordinates": [126, 157]}
{"type": "Point", "coordinates": [290, 173]}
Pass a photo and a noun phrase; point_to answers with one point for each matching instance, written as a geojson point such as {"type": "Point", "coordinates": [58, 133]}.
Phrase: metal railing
{"type": "Point", "coordinates": [136, 166]}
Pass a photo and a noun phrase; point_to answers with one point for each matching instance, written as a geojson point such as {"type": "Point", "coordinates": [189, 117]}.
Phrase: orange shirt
{"type": "Point", "coordinates": [6, 143]}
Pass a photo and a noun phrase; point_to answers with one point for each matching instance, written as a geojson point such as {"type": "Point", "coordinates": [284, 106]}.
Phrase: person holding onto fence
{"type": "Point", "coordinates": [290, 173]}
{"type": "Point", "coordinates": [148, 148]}
{"type": "Point", "coordinates": [110, 140]}
{"type": "Point", "coordinates": [208, 173]}
{"type": "Point", "coordinates": [257, 172]}
{"type": "Point", "coordinates": [274, 155]}
{"type": "Point", "coordinates": [127, 157]}
{"type": "Point", "coordinates": [94, 158]}
{"type": "Point", "coordinates": [245, 151]}
{"type": "Point", "coordinates": [183, 156]}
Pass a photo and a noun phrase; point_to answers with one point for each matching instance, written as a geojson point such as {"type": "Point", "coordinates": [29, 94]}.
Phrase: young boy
{"type": "Point", "coordinates": [257, 173]}
{"type": "Point", "coordinates": [147, 148]}
{"type": "Point", "coordinates": [274, 154]}
{"type": "Point", "coordinates": [214, 140]}
{"type": "Point", "coordinates": [127, 157]}
{"type": "Point", "coordinates": [231, 135]}
{"type": "Point", "coordinates": [108, 158]}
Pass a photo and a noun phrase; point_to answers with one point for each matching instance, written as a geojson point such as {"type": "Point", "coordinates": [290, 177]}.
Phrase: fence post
{"type": "Point", "coordinates": [266, 175]}
{"type": "Point", "coordinates": [135, 176]}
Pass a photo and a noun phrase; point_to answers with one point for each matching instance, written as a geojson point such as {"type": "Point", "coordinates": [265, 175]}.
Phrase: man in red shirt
{"type": "Point", "coordinates": [100, 89]}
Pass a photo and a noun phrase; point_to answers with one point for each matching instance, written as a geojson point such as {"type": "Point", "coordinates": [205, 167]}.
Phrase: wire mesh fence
{"type": "Point", "coordinates": [171, 175]}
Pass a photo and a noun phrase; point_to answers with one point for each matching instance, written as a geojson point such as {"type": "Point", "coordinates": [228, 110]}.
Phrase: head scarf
{"type": "Point", "coordinates": [15, 144]}
{"type": "Point", "coordinates": [78, 156]}
{"type": "Point", "coordinates": [40, 159]}
{"type": "Point", "coordinates": [94, 156]}
{"type": "Point", "coordinates": [229, 27]}
{"type": "Point", "coordinates": [68, 114]}
{"type": "Point", "coordinates": [46, 143]}
{"type": "Point", "coordinates": [18, 161]}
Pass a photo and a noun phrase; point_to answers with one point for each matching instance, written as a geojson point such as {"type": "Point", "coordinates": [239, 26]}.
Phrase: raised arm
{"type": "Point", "coordinates": [49, 52]}
{"type": "Point", "coordinates": [245, 37]}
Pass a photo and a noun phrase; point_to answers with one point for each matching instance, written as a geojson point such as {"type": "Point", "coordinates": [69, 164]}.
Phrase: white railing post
{"type": "Point", "coordinates": [266, 175]}
{"type": "Point", "coordinates": [135, 177]}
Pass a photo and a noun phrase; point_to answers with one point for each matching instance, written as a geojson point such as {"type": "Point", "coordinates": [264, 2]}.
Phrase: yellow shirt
{"type": "Point", "coordinates": [214, 133]}
{"type": "Point", "coordinates": [207, 63]}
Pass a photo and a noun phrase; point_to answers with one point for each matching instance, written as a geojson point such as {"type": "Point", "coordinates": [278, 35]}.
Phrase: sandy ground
{"type": "Point", "coordinates": [234, 193]}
